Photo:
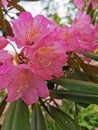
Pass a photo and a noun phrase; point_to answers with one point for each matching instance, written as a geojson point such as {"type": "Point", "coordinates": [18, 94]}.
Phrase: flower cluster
{"type": "Point", "coordinates": [44, 46]}
{"type": "Point", "coordinates": [81, 35]}
{"type": "Point", "coordinates": [41, 57]}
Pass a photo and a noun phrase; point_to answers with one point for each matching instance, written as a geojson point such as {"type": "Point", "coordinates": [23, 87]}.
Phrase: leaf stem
{"type": "Point", "coordinates": [44, 106]}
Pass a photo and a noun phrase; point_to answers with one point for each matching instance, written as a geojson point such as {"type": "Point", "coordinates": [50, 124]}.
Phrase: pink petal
{"type": "Point", "coordinates": [5, 61]}
{"type": "Point", "coordinates": [5, 3]}
{"type": "Point", "coordinates": [28, 30]}
{"type": "Point", "coordinates": [47, 60]}
{"type": "Point", "coordinates": [21, 27]}
{"type": "Point", "coordinates": [30, 96]}
{"type": "Point", "coordinates": [79, 3]}
{"type": "Point", "coordinates": [4, 80]}
{"type": "Point", "coordinates": [3, 42]}
{"type": "Point", "coordinates": [37, 88]}
{"type": "Point", "coordinates": [24, 84]}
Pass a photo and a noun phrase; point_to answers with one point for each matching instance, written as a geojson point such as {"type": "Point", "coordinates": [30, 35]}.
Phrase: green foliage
{"type": "Point", "coordinates": [17, 117]}
{"type": "Point", "coordinates": [93, 56]}
{"type": "Point", "coordinates": [37, 120]}
{"type": "Point", "coordinates": [50, 123]}
{"type": "Point", "coordinates": [88, 118]}
{"type": "Point", "coordinates": [51, 8]}
{"type": "Point", "coordinates": [79, 97]}
{"type": "Point", "coordinates": [62, 119]}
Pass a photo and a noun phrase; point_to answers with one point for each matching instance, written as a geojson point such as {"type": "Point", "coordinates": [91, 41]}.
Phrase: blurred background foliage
{"type": "Point", "coordinates": [63, 12]}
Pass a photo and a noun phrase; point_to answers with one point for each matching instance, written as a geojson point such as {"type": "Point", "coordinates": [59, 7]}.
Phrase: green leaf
{"type": "Point", "coordinates": [37, 121]}
{"type": "Point", "coordinates": [62, 119]}
{"type": "Point", "coordinates": [75, 96]}
{"type": "Point", "coordinates": [88, 68]}
{"type": "Point", "coordinates": [78, 75]}
{"type": "Point", "coordinates": [77, 85]}
{"type": "Point", "coordinates": [90, 55]}
{"type": "Point", "coordinates": [78, 63]}
{"type": "Point", "coordinates": [94, 77]}
{"type": "Point", "coordinates": [2, 105]}
{"type": "Point", "coordinates": [17, 117]}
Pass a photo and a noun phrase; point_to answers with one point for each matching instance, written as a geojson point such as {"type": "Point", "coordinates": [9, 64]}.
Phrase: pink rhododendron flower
{"type": "Point", "coordinates": [5, 3]}
{"type": "Point", "coordinates": [22, 83]}
{"type": "Point", "coordinates": [87, 32]}
{"type": "Point", "coordinates": [41, 57]}
{"type": "Point", "coordinates": [19, 80]}
{"type": "Point", "coordinates": [80, 3]}
{"type": "Point", "coordinates": [28, 30]}
{"type": "Point", "coordinates": [70, 37]}
{"type": "Point", "coordinates": [41, 38]}
{"type": "Point", "coordinates": [81, 35]}
{"type": "Point", "coordinates": [48, 58]}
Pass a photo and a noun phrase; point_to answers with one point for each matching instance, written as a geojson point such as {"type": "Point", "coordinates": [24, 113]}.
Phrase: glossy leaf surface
{"type": "Point", "coordinates": [77, 85]}
{"type": "Point", "coordinates": [78, 97]}
{"type": "Point", "coordinates": [37, 121]}
{"type": "Point", "coordinates": [17, 117]}
{"type": "Point", "coordinates": [62, 119]}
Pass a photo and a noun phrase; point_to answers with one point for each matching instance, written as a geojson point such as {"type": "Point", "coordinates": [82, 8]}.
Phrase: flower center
{"type": "Point", "coordinates": [21, 58]}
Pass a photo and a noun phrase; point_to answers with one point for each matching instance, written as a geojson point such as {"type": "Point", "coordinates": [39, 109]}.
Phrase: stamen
{"type": "Point", "coordinates": [21, 58]}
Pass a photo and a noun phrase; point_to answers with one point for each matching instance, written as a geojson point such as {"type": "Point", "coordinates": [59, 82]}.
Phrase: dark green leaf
{"type": "Point", "coordinates": [91, 69]}
{"type": "Point", "coordinates": [88, 69]}
{"type": "Point", "coordinates": [62, 119]}
{"type": "Point", "coordinates": [78, 63]}
{"type": "Point", "coordinates": [94, 76]}
{"type": "Point", "coordinates": [17, 117]}
{"type": "Point", "coordinates": [37, 121]}
{"type": "Point", "coordinates": [2, 105]}
{"type": "Point", "coordinates": [78, 75]}
{"type": "Point", "coordinates": [75, 96]}
{"type": "Point", "coordinates": [90, 55]}
{"type": "Point", "coordinates": [77, 85]}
